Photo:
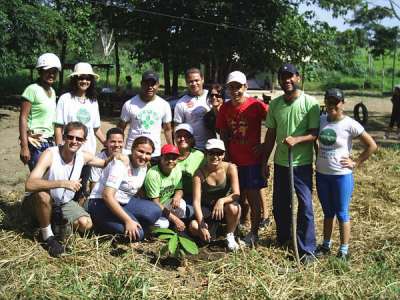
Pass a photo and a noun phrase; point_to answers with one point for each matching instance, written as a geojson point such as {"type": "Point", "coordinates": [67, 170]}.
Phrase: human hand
{"type": "Point", "coordinates": [218, 210]}
{"type": "Point", "coordinates": [132, 230]}
{"type": "Point", "coordinates": [73, 185]}
{"type": "Point", "coordinates": [180, 226]}
{"type": "Point", "coordinates": [205, 234]}
{"type": "Point", "coordinates": [290, 141]}
{"type": "Point", "coordinates": [347, 162]}
{"type": "Point", "coordinates": [175, 203]}
{"type": "Point", "coordinates": [24, 155]}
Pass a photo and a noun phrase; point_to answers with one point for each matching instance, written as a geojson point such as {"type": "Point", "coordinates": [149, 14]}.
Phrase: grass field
{"type": "Point", "coordinates": [97, 268]}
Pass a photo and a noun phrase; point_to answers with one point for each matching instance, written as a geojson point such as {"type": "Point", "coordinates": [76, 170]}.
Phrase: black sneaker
{"type": "Point", "coordinates": [322, 251]}
{"type": "Point", "coordinates": [343, 256]}
{"type": "Point", "coordinates": [53, 247]}
{"type": "Point", "coordinates": [264, 223]}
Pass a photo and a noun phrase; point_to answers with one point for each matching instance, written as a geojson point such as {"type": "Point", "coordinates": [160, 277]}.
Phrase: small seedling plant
{"type": "Point", "coordinates": [177, 245]}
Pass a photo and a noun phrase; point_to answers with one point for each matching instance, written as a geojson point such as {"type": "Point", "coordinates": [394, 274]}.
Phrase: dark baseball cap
{"type": "Point", "coordinates": [148, 75]}
{"type": "Point", "coordinates": [334, 93]}
{"type": "Point", "coordinates": [288, 68]}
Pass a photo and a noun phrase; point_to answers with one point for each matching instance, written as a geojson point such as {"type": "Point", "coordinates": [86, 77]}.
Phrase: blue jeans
{"type": "Point", "coordinates": [36, 152]}
{"type": "Point", "coordinates": [282, 207]}
{"type": "Point", "coordinates": [334, 193]}
{"type": "Point", "coordinates": [145, 212]}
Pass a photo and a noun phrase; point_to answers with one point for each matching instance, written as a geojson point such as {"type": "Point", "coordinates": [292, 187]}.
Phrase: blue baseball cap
{"type": "Point", "coordinates": [288, 68]}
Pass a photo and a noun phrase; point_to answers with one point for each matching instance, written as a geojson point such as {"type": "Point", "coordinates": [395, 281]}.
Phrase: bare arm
{"type": "Point", "coordinates": [23, 131]}
{"type": "Point", "coordinates": [269, 143]}
{"type": "Point", "coordinates": [369, 148]}
{"type": "Point", "coordinates": [36, 183]}
{"type": "Point", "coordinates": [168, 132]}
{"type": "Point", "coordinates": [58, 132]}
{"type": "Point", "coordinates": [131, 227]}
{"type": "Point", "coordinates": [95, 161]}
{"type": "Point", "coordinates": [122, 125]}
{"type": "Point", "coordinates": [203, 227]}
{"type": "Point", "coordinates": [311, 136]}
{"type": "Point", "coordinates": [100, 136]}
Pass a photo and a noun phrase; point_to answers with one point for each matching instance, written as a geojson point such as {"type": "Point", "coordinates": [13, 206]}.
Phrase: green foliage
{"type": "Point", "coordinates": [177, 245]}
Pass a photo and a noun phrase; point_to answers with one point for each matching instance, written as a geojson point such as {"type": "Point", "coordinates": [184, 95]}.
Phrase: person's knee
{"type": "Point", "coordinates": [153, 213]}
{"type": "Point", "coordinates": [43, 199]}
{"type": "Point", "coordinates": [343, 217]}
{"type": "Point", "coordinates": [232, 210]}
{"type": "Point", "coordinates": [193, 227]}
{"type": "Point", "coordinates": [83, 224]}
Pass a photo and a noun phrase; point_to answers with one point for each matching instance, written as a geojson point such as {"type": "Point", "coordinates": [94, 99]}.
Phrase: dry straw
{"type": "Point", "coordinates": [99, 268]}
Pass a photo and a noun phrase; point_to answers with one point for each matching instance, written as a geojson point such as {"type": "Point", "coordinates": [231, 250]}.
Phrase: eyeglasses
{"type": "Point", "coordinates": [215, 152]}
{"type": "Point", "coordinates": [85, 77]}
{"type": "Point", "coordinates": [72, 138]}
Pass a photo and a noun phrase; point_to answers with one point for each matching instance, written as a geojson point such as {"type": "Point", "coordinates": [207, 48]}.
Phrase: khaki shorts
{"type": "Point", "coordinates": [71, 210]}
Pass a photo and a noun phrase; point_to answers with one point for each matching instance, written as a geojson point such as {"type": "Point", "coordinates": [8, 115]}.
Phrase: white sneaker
{"type": "Point", "coordinates": [250, 239]}
{"type": "Point", "coordinates": [231, 242]}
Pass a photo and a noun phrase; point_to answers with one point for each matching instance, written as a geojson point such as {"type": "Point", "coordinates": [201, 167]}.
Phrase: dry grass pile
{"type": "Point", "coordinates": [98, 268]}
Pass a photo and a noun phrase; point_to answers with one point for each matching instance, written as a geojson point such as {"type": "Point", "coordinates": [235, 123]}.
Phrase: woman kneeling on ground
{"type": "Point", "coordinates": [114, 205]}
{"type": "Point", "coordinates": [216, 195]}
{"type": "Point", "coordinates": [335, 169]}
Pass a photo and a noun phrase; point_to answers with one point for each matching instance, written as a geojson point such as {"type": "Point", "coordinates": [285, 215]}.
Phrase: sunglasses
{"type": "Point", "coordinates": [170, 156]}
{"type": "Point", "coordinates": [215, 95]}
{"type": "Point", "coordinates": [85, 77]}
{"type": "Point", "coordinates": [72, 138]}
{"type": "Point", "coordinates": [215, 152]}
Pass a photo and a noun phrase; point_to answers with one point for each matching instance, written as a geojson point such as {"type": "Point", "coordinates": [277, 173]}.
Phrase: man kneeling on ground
{"type": "Point", "coordinates": [54, 181]}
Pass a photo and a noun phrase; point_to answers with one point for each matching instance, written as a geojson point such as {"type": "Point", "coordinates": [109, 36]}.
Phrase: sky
{"type": "Point", "coordinates": [340, 23]}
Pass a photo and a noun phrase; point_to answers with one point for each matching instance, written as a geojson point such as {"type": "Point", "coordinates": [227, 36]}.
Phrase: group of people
{"type": "Point", "coordinates": [212, 164]}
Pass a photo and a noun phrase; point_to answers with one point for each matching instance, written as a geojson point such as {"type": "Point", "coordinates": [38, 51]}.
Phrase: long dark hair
{"type": "Point", "coordinates": [91, 91]}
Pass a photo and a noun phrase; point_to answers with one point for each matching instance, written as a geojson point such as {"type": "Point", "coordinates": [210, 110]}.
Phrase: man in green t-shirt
{"type": "Point", "coordinates": [163, 185]}
{"type": "Point", "coordinates": [292, 121]}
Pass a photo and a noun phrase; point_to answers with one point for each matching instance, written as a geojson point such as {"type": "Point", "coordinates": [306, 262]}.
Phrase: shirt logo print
{"type": "Point", "coordinates": [147, 118]}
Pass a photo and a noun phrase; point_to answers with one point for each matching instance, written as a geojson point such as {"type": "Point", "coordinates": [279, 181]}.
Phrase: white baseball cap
{"type": "Point", "coordinates": [83, 68]}
{"type": "Point", "coordinates": [236, 76]}
{"type": "Point", "coordinates": [215, 144]}
{"type": "Point", "coordinates": [47, 61]}
{"type": "Point", "coordinates": [184, 126]}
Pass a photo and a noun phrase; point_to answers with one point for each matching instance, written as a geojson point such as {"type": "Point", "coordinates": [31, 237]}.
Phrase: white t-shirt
{"type": "Point", "coordinates": [95, 173]}
{"type": "Point", "coordinates": [191, 109]}
{"type": "Point", "coordinates": [59, 170]}
{"type": "Point", "coordinates": [126, 180]}
{"type": "Point", "coordinates": [146, 119]}
{"type": "Point", "coordinates": [71, 109]}
{"type": "Point", "coordinates": [335, 142]}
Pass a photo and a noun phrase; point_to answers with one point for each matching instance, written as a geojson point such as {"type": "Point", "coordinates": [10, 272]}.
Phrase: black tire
{"type": "Point", "coordinates": [360, 108]}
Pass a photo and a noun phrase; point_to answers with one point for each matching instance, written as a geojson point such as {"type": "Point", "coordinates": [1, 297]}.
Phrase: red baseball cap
{"type": "Point", "coordinates": [168, 149]}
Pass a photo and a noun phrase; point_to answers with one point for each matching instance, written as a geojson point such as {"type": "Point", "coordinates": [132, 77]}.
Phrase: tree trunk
{"type": "Point", "coordinates": [394, 61]}
{"type": "Point", "coordinates": [62, 59]}
{"type": "Point", "coordinates": [167, 83]}
{"type": "Point", "coordinates": [117, 65]}
{"type": "Point", "coordinates": [175, 77]}
{"type": "Point", "coordinates": [383, 74]}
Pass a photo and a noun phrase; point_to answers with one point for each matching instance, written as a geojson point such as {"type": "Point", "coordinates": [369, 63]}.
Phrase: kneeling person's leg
{"type": "Point", "coordinates": [77, 216]}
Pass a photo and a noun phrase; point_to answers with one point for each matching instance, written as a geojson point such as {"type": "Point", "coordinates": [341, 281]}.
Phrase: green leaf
{"type": "Point", "coordinates": [165, 236]}
{"type": "Point", "coordinates": [173, 244]}
{"type": "Point", "coordinates": [164, 249]}
{"type": "Point", "coordinates": [189, 245]}
{"type": "Point", "coordinates": [163, 230]}
{"type": "Point", "coordinates": [182, 253]}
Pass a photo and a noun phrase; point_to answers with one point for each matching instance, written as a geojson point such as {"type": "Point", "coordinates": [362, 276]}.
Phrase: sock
{"type": "Point", "coordinates": [327, 243]}
{"type": "Point", "coordinates": [46, 232]}
{"type": "Point", "coordinates": [344, 248]}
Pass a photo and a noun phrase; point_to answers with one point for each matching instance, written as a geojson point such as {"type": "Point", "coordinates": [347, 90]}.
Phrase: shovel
{"type": "Point", "coordinates": [294, 211]}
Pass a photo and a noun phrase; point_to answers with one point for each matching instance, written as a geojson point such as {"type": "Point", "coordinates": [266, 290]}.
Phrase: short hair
{"type": "Point", "coordinates": [143, 140]}
{"type": "Point", "coordinates": [114, 130]}
{"type": "Point", "coordinates": [75, 125]}
{"type": "Point", "coordinates": [192, 71]}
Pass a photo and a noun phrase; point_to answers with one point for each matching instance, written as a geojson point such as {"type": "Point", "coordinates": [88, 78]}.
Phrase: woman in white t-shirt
{"type": "Point", "coordinates": [115, 204]}
{"type": "Point", "coordinates": [335, 167]}
{"type": "Point", "coordinates": [80, 104]}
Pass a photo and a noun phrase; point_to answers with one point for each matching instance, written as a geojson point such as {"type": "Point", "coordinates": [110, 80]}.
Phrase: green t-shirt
{"type": "Point", "coordinates": [158, 185]}
{"type": "Point", "coordinates": [293, 119]}
{"type": "Point", "coordinates": [188, 167]}
{"type": "Point", "coordinates": [43, 111]}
